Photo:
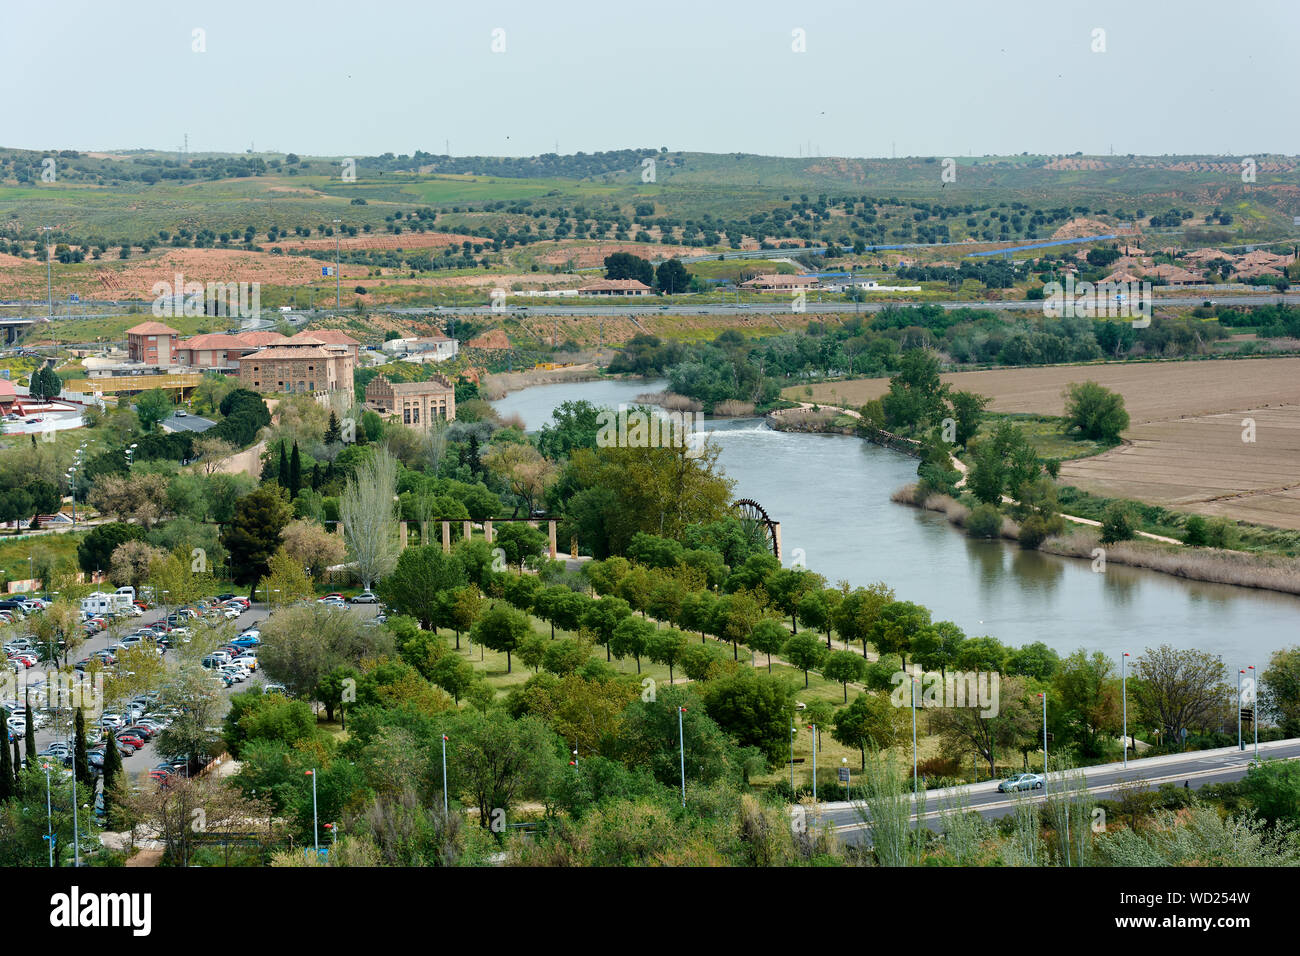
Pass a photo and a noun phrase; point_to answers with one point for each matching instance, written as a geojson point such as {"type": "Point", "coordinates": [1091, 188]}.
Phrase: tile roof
{"type": "Point", "coordinates": [151, 328]}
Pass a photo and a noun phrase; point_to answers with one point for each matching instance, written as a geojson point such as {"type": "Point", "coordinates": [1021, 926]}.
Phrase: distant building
{"type": "Point", "coordinates": [152, 343]}
{"type": "Point", "coordinates": [615, 287]}
{"type": "Point", "coordinates": [308, 365]}
{"type": "Point", "coordinates": [416, 403]}
{"type": "Point", "coordinates": [436, 348]}
{"type": "Point", "coordinates": [779, 283]}
{"type": "Point", "coordinates": [8, 398]}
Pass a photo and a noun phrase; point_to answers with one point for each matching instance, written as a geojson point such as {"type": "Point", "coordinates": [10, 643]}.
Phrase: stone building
{"type": "Point", "coordinates": [413, 403]}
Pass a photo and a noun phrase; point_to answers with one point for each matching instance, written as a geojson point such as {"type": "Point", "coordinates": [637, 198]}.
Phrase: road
{"type": "Point", "coordinates": [1196, 769]}
{"type": "Point", "coordinates": [779, 305]}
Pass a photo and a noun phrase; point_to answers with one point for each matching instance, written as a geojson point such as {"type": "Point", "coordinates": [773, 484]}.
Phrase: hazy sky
{"type": "Point", "coordinates": [922, 77]}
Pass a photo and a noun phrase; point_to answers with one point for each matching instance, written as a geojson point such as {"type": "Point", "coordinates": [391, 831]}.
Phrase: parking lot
{"type": "Point", "coordinates": [138, 764]}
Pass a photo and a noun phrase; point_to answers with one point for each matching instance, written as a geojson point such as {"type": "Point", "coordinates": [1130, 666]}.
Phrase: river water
{"type": "Point", "coordinates": [831, 495]}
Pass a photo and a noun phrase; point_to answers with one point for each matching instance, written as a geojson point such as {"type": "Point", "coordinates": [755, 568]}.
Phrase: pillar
{"type": "Point", "coordinates": [467, 530]}
{"type": "Point", "coordinates": [550, 530]}
{"type": "Point", "coordinates": [446, 537]}
{"type": "Point", "coordinates": [487, 530]}
{"type": "Point", "coordinates": [424, 532]}
{"type": "Point", "coordinates": [401, 534]}
{"type": "Point", "coordinates": [776, 536]}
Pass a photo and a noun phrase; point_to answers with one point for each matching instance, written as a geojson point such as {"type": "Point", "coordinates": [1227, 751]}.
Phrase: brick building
{"type": "Point", "coordinates": [414, 403]}
{"type": "Point", "coordinates": [152, 343]}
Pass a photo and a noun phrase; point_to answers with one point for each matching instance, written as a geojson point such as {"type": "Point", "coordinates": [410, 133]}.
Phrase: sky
{"type": "Point", "coordinates": [919, 77]}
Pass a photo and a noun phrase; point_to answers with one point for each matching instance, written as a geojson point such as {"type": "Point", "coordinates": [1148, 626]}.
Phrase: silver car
{"type": "Point", "coordinates": [1021, 781]}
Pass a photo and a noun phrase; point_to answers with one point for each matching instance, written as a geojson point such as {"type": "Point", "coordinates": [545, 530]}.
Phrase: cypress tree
{"type": "Point", "coordinates": [18, 765]}
{"type": "Point", "coordinates": [112, 770]}
{"type": "Point", "coordinates": [31, 735]}
{"type": "Point", "coordinates": [283, 476]}
{"type": "Point", "coordinates": [7, 789]}
{"type": "Point", "coordinates": [295, 472]}
{"type": "Point", "coordinates": [315, 476]}
{"type": "Point", "coordinates": [333, 431]}
{"type": "Point", "coordinates": [80, 761]}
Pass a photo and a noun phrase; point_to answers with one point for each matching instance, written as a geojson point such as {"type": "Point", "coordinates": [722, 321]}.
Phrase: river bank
{"type": "Point", "coordinates": [1235, 568]}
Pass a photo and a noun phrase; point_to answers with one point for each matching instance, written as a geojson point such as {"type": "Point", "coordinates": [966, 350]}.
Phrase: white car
{"type": "Point", "coordinates": [234, 672]}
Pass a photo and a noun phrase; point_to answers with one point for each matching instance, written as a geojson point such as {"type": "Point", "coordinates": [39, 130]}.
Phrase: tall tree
{"type": "Point", "coordinates": [295, 472]}
{"type": "Point", "coordinates": [368, 511]}
{"type": "Point", "coordinates": [253, 534]}
{"type": "Point", "coordinates": [112, 771]}
{"type": "Point", "coordinates": [80, 760]}
{"type": "Point", "coordinates": [282, 475]}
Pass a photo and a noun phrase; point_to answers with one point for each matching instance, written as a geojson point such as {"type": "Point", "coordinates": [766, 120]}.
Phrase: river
{"type": "Point", "coordinates": [831, 495]}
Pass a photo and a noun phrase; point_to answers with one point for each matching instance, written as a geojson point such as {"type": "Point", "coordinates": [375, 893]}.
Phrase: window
{"type": "Point", "coordinates": [415, 415]}
{"type": "Point", "coordinates": [406, 416]}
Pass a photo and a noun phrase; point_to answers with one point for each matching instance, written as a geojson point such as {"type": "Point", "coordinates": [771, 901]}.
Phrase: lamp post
{"type": "Point", "coordinates": [49, 274]}
{"type": "Point", "coordinates": [1240, 745]}
{"type": "Point", "coordinates": [49, 813]}
{"type": "Point", "coordinates": [76, 841]}
{"type": "Point", "coordinates": [315, 830]}
{"type": "Point", "coordinates": [793, 731]}
{"type": "Point", "coordinates": [848, 779]}
{"type": "Point", "coordinates": [1123, 683]}
{"type": "Point", "coordinates": [681, 743]}
{"type": "Point", "coordinates": [1043, 695]}
{"type": "Point", "coordinates": [337, 280]}
{"type": "Point", "coordinates": [444, 777]}
{"type": "Point", "coordinates": [813, 728]}
{"type": "Point", "coordinates": [130, 455]}
{"type": "Point", "coordinates": [1254, 715]}
{"type": "Point", "coordinates": [915, 791]}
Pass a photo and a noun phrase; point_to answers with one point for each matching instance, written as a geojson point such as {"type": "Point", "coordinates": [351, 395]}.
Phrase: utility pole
{"type": "Point", "coordinates": [337, 288]}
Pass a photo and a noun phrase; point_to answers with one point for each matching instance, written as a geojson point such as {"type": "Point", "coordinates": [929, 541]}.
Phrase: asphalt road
{"type": "Point", "coordinates": [1196, 769]}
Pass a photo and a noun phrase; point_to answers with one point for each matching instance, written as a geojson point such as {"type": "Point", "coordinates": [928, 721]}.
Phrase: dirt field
{"type": "Point", "coordinates": [1184, 448]}
{"type": "Point", "coordinates": [407, 240]}
{"type": "Point", "coordinates": [589, 257]}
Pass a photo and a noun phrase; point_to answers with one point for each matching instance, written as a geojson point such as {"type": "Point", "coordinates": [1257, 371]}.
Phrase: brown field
{"type": "Point", "coordinates": [591, 256]}
{"type": "Point", "coordinates": [407, 240]}
{"type": "Point", "coordinates": [1184, 448]}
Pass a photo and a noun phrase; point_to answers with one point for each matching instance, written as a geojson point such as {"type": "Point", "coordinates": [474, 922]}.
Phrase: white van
{"type": "Point", "coordinates": [128, 592]}
{"type": "Point", "coordinates": [101, 602]}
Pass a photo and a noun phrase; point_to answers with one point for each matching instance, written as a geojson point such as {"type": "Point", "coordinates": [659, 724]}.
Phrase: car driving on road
{"type": "Point", "coordinates": [1021, 781]}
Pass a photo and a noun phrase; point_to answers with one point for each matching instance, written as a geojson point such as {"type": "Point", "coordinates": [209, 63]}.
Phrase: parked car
{"type": "Point", "coordinates": [1021, 781]}
{"type": "Point", "coordinates": [365, 597]}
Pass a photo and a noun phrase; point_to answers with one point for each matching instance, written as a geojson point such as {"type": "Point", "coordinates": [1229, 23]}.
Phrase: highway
{"type": "Point", "coordinates": [1196, 769]}
{"type": "Point", "coordinates": [779, 304]}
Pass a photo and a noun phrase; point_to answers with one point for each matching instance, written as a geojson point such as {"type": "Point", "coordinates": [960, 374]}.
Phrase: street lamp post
{"type": "Point", "coordinates": [76, 840]}
{"type": "Point", "coordinates": [315, 830]}
{"type": "Point", "coordinates": [49, 813]}
{"type": "Point", "coordinates": [444, 777]}
{"type": "Point", "coordinates": [793, 732]}
{"type": "Point", "coordinates": [1240, 745]}
{"type": "Point", "coordinates": [681, 743]}
{"type": "Point", "coordinates": [1123, 683]}
{"type": "Point", "coordinates": [49, 274]}
{"type": "Point", "coordinates": [337, 279]}
{"type": "Point", "coordinates": [915, 791]}
{"type": "Point", "coordinates": [848, 779]}
{"type": "Point", "coordinates": [1043, 695]}
{"type": "Point", "coordinates": [813, 728]}
{"type": "Point", "coordinates": [1254, 710]}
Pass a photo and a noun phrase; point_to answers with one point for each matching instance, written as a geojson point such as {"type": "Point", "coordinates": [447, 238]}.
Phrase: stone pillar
{"type": "Point", "coordinates": [550, 530]}
{"type": "Point", "coordinates": [776, 535]}
{"type": "Point", "coordinates": [467, 530]}
{"type": "Point", "coordinates": [424, 533]}
{"type": "Point", "coordinates": [487, 530]}
{"type": "Point", "coordinates": [446, 537]}
{"type": "Point", "coordinates": [402, 534]}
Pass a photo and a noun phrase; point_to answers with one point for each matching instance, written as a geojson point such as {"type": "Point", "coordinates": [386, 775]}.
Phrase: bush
{"type": "Point", "coordinates": [1033, 532]}
{"type": "Point", "coordinates": [1221, 534]}
{"type": "Point", "coordinates": [985, 521]}
{"type": "Point", "coordinates": [1196, 531]}
{"type": "Point", "coordinates": [1117, 523]}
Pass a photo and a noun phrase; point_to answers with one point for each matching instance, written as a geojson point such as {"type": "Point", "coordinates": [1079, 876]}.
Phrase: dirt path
{"type": "Point", "coordinates": [249, 460]}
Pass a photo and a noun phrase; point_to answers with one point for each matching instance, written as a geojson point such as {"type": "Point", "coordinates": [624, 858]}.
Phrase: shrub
{"type": "Point", "coordinates": [1196, 531]}
{"type": "Point", "coordinates": [1117, 523]}
{"type": "Point", "coordinates": [1033, 532]}
{"type": "Point", "coordinates": [985, 521]}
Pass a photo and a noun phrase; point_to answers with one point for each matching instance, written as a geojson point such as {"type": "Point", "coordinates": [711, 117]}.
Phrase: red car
{"type": "Point", "coordinates": [27, 658]}
{"type": "Point", "coordinates": [130, 739]}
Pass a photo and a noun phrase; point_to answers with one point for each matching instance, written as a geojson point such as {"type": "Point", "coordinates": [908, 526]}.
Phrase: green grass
{"type": "Point", "coordinates": [1045, 433]}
